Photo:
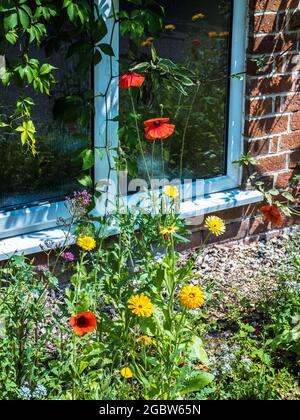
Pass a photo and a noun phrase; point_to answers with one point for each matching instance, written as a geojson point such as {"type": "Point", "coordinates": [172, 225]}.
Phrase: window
{"type": "Point", "coordinates": [197, 36]}
{"type": "Point", "coordinates": [213, 47]}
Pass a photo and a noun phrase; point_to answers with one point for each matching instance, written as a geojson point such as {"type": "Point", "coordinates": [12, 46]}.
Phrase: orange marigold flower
{"type": "Point", "coordinates": [272, 214]}
{"type": "Point", "coordinates": [157, 128]}
{"type": "Point", "coordinates": [83, 323]}
{"type": "Point", "coordinates": [129, 80]}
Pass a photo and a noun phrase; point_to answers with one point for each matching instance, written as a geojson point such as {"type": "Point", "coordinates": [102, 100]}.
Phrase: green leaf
{"type": "Point", "coordinates": [10, 21]}
{"type": "Point", "coordinates": [85, 180]}
{"type": "Point", "coordinates": [88, 160]}
{"type": "Point", "coordinates": [197, 382]}
{"type": "Point", "coordinates": [24, 16]}
{"type": "Point", "coordinates": [197, 352]}
{"type": "Point", "coordinates": [11, 37]}
{"type": "Point", "coordinates": [107, 49]}
{"type": "Point", "coordinates": [288, 196]}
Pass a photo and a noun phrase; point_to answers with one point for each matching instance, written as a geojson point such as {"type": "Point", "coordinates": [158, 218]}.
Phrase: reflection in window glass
{"type": "Point", "coordinates": [196, 35]}
{"type": "Point", "coordinates": [60, 136]}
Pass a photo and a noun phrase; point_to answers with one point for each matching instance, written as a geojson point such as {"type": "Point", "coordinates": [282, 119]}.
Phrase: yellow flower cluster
{"type": "Point", "coordinates": [215, 34]}
{"type": "Point", "coordinates": [148, 42]}
{"type": "Point", "coordinates": [191, 297]}
{"type": "Point", "coordinates": [86, 242]}
{"type": "Point", "coordinates": [198, 16]}
{"type": "Point", "coordinates": [145, 340]}
{"type": "Point", "coordinates": [170, 27]}
{"type": "Point", "coordinates": [140, 305]}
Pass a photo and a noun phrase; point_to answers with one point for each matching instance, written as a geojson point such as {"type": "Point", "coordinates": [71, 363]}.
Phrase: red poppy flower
{"type": "Point", "coordinates": [184, 363]}
{"type": "Point", "coordinates": [129, 80]}
{"type": "Point", "coordinates": [83, 323]}
{"type": "Point", "coordinates": [196, 43]}
{"type": "Point", "coordinates": [157, 128]}
{"type": "Point", "coordinates": [272, 214]}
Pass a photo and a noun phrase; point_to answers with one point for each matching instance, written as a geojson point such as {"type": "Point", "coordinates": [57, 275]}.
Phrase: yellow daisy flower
{"type": "Point", "coordinates": [191, 297]}
{"type": "Point", "coordinates": [140, 305]}
{"type": "Point", "coordinates": [126, 372]}
{"type": "Point", "coordinates": [212, 34]}
{"type": "Point", "coordinates": [198, 16]}
{"type": "Point", "coordinates": [171, 191]}
{"type": "Point", "coordinates": [86, 242]}
{"type": "Point", "coordinates": [215, 225]}
{"type": "Point", "coordinates": [169, 230]}
{"type": "Point", "coordinates": [145, 339]}
{"type": "Point", "coordinates": [170, 27]}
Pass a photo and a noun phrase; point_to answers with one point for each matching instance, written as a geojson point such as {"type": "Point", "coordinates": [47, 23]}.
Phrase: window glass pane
{"type": "Point", "coordinates": [197, 36]}
{"type": "Point", "coordinates": [60, 134]}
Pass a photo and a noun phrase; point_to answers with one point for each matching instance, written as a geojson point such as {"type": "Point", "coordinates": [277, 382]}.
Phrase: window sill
{"type": "Point", "coordinates": [31, 243]}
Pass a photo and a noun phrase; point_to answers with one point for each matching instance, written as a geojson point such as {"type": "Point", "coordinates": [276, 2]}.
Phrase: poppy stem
{"type": "Point", "coordinates": [185, 129]}
{"type": "Point", "coordinates": [139, 137]}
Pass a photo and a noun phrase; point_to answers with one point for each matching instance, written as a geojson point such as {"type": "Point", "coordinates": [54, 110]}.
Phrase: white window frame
{"type": "Point", "coordinates": [44, 216]}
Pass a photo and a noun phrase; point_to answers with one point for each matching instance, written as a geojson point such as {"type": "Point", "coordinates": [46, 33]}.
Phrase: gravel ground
{"type": "Point", "coordinates": [239, 275]}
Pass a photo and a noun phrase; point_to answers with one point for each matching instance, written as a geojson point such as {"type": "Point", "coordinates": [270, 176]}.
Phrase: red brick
{"type": "Point", "coordinates": [295, 123]}
{"type": "Point", "coordinates": [257, 225]}
{"type": "Point", "coordinates": [264, 23]}
{"type": "Point", "coordinates": [259, 147]}
{"type": "Point", "coordinates": [295, 21]}
{"type": "Point", "coordinates": [282, 180]}
{"type": "Point", "coordinates": [290, 103]}
{"type": "Point", "coordinates": [290, 141]}
{"type": "Point", "coordinates": [267, 44]}
{"type": "Point", "coordinates": [273, 5]}
{"type": "Point", "coordinates": [278, 84]}
{"type": "Point", "coordinates": [271, 163]}
{"type": "Point", "coordinates": [292, 63]}
{"type": "Point", "coordinates": [266, 126]}
{"type": "Point", "coordinates": [294, 159]}
{"type": "Point", "coordinates": [274, 146]}
{"type": "Point", "coordinates": [259, 107]}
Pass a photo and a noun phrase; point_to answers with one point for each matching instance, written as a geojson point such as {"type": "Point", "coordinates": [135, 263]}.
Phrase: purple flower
{"type": "Point", "coordinates": [80, 200]}
{"type": "Point", "coordinates": [68, 256]}
{"type": "Point", "coordinates": [42, 268]}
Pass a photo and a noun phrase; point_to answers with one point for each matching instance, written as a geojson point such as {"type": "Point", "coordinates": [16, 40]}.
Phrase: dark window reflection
{"type": "Point", "coordinates": [60, 134]}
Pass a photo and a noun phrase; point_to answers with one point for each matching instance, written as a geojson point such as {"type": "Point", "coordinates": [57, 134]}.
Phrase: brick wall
{"type": "Point", "coordinates": [272, 110]}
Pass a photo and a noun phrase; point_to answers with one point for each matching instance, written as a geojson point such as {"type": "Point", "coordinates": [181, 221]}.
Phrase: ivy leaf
{"type": "Point", "coordinates": [99, 29]}
{"type": "Point", "coordinates": [87, 157]}
{"type": "Point", "coordinates": [85, 180]}
{"type": "Point", "coordinates": [24, 16]}
{"type": "Point", "coordinates": [10, 21]}
{"type": "Point", "coordinates": [107, 49]}
{"type": "Point", "coordinates": [11, 36]}
{"type": "Point", "coordinates": [288, 196]}
{"type": "Point", "coordinates": [46, 68]}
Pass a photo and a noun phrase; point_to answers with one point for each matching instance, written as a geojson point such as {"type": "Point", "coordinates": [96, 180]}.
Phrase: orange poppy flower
{"type": "Point", "coordinates": [83, 323]}
{"type": "Point", "coordinates": [129, 80]}
{"type": "Point", "coordinates": [157, 128]}
{"type": "Point", "coordinates": [272, 214]}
